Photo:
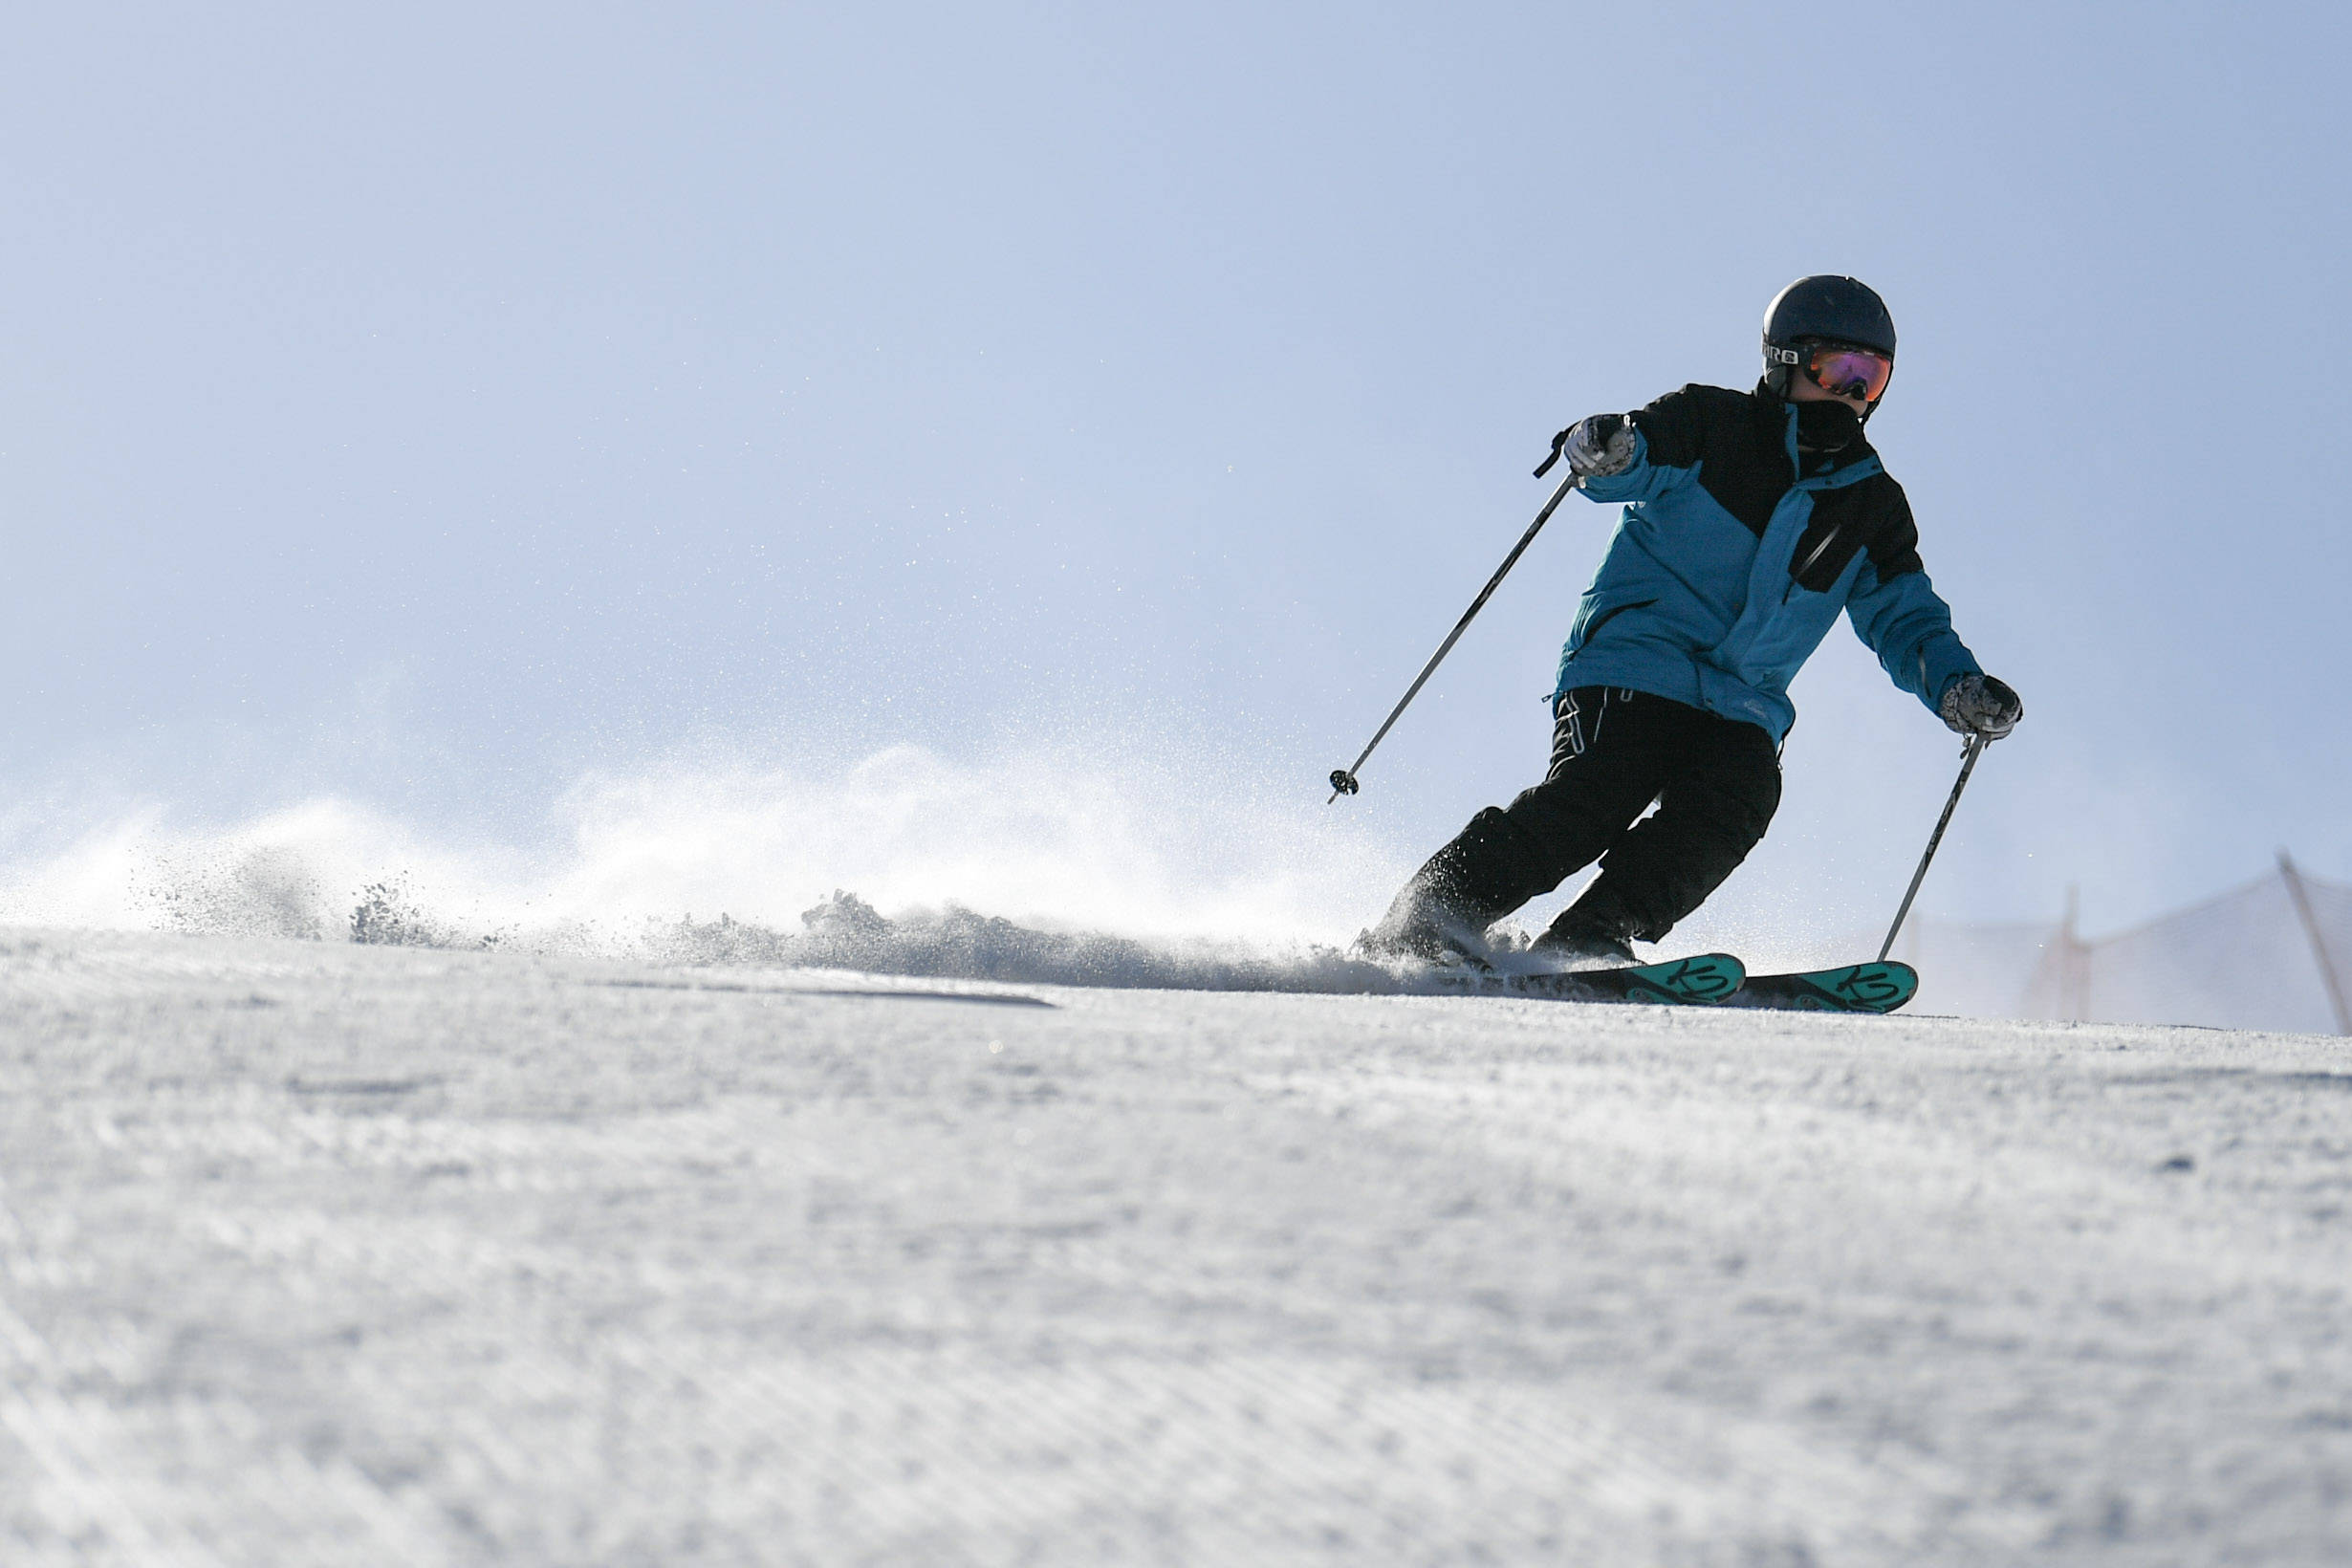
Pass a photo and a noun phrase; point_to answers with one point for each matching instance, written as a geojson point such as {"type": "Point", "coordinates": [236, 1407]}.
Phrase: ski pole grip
{"type": "Point", "coordinates": [1559, 443]}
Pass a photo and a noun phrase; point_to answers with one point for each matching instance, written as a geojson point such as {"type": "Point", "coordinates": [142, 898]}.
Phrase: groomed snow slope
{"type": "Point", "coordinates": [328, 1254]}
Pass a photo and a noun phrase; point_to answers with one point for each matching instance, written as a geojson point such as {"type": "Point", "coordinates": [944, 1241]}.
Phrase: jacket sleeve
{"type": "Point", "coordinates": [1897, 613]}
{"type": "Point", "coordinates": [1669, 437]}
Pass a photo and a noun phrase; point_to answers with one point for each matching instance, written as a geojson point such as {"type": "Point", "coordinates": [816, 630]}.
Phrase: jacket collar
{"type": "Point", "coordinates": [1777, 420]}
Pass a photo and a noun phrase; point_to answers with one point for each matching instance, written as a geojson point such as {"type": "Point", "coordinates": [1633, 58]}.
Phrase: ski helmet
{"type": "Point", "coordinates": [1824, 309]}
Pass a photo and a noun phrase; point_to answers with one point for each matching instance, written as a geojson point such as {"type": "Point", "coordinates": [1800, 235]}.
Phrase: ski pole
{"type": "Point", "coordinates": [1343, 779]}
{"type": "Point", "coordinates": [1968, 766]}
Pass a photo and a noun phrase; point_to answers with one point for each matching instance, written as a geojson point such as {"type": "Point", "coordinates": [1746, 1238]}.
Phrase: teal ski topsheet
{"type": "Point", "coordinates": [1854, 988]}
{"type": "Point", "coordinates": [1705, 978]}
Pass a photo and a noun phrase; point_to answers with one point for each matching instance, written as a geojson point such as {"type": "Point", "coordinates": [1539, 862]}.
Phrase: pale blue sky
{"type": "Point", "coordinates": [432, 404]}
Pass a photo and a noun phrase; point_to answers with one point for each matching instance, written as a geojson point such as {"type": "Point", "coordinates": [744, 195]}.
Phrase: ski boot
{"type": "Point", "coordinates": [1582, 940]}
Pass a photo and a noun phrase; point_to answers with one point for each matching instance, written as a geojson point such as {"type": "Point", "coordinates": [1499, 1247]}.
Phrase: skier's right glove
{"type": "Point", "coordinates": [1595, 447]}
{"type": "Point", "coordinates": [1601, 446]}
{"type": "Point", "coordinates": [1978, 705]}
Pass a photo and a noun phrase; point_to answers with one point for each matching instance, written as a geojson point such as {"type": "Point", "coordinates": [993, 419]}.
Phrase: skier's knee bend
{"type": "Point", "coordinates": [1664, 868]}
{"type": "Point", "coordinates": [1498, 862]}
{"type": "Point", "coordinates": [1739, 823]}
{"type": "Point", "coordinates": [1566, 827]}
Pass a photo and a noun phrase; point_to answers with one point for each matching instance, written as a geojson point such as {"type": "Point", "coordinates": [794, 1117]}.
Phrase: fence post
{"type": "Point", "coordinates": [2074, 961]}
{"type": "Point", "coordinates": [2319, 941]}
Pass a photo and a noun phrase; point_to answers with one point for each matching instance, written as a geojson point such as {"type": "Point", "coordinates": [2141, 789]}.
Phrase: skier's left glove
{"type": "Point", "coordinates": [1978, 705]}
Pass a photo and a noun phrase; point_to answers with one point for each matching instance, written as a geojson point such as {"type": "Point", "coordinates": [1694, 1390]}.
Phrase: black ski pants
{"type": "Point", "coordinates": [1716, 783]}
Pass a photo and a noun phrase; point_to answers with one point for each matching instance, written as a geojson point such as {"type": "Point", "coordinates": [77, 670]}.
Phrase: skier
{"type": "Point", "coordinates": [1750, 519]}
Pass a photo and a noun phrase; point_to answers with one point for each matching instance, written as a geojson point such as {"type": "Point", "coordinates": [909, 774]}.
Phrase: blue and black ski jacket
{"type": "Point", "coordinates": [1736, 552]}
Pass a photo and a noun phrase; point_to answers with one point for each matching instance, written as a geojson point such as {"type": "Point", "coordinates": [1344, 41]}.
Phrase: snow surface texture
{"type": "Point", "coordinates": [331, 1253]}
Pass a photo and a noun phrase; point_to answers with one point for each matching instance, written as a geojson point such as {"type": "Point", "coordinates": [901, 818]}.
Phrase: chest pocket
{"type": "Point", "coordinates": [1838, 530]}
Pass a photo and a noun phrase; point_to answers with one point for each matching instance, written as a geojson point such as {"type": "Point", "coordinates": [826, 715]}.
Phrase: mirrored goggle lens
{"type": "Point", "coordinates": [1850, 372]}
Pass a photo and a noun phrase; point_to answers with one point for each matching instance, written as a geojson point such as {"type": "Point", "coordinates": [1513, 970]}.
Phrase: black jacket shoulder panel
{"type": "Point", "coordinates": [1676, 426]}
{"type": "Point", "coordinates": [1894, 546]}
{"type": "Point", "coordinates": [1736, 438]}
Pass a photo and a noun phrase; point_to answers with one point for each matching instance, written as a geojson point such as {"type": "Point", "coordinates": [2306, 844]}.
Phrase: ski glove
{"type": "Point", "coordinates": [1978, 705]}
{"type": "Point", "coordinates": [1601, 446]}
{"type": "Point", "coordinates": [1595, 447]}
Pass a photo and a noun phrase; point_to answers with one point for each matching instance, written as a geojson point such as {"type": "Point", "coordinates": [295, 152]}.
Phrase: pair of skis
{"type": "Point", "coordinates": [1715, 980]}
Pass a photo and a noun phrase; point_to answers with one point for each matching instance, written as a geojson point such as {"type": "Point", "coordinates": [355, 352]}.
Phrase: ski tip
{"type": "Point", "coordinates": [1881, 987]}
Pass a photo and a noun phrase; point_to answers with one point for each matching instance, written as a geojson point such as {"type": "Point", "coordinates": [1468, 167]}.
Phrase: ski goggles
{"type": "Point", "coordinates": [1841, 371]}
